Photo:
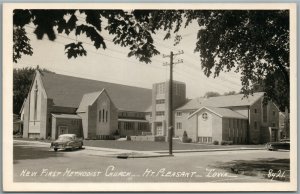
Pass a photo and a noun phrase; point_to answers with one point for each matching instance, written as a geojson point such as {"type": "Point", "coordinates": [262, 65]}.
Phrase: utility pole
{"type": "Point", "coordinates": [170, 105]}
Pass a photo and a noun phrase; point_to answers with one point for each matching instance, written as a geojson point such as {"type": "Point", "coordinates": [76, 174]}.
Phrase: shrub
{"type": "Point", "coordinates": [216, 142]}
{"type": "Point", "coordinates": [185, 138]}
{"type": "Point", "coordinates": [184, 134]}
{"type": "Point", "coordinates": [226, 142]}
{"type": "Point", "coordinates": [116, 133]}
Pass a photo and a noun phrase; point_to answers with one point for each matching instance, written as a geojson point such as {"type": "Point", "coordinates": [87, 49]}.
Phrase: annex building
{"type": "Point", "coordinates": [59, 104]}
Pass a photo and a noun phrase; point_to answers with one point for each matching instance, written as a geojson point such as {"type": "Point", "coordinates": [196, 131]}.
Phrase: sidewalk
{"type": "Point", "coordinates": [108, 152]}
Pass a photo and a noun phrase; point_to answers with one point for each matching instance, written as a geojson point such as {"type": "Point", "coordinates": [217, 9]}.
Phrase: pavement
{"type": "Point", "coordinates": [124, 153]}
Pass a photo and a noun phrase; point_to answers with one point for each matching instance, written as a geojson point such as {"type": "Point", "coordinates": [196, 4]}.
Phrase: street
{"type": "Point", "coordinates": [37, 163]}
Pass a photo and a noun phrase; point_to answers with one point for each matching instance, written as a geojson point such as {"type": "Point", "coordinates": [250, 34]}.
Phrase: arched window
{"type": "Point", "coordinates": [35, 100]}
{"type": "Point", "coordinates": [103, 115]}
{"type": "Point", "coordinates": [106, 115]}
{"type": "Point", "coordinates": [99, 115]}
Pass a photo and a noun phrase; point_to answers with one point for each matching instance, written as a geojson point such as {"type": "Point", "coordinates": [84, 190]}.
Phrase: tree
{"type": "Point", "coordinates": [211, 94]}
{"type": "Point", "coordinates": [229, 93]}
{"type": "Point", "coordinates": [252, 42]}
{"type": "Point", "coordinates": [22, 79]}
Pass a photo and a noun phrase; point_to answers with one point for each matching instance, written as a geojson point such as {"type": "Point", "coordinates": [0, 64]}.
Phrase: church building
{"type": "Point", "coordinates": [59, 104]}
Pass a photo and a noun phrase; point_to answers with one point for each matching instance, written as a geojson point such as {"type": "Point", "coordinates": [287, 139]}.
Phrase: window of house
{"type": "Point", "coordinates": [161, 88]}
{"type": "Point", "coordinates": [204, 116]}
{"type": "Point", "coordinates": [273, 113]}
{"type": "Point", "coordinates": [160, 101]}
{"type": "Point", "coordinates": [99, 115]}
{"type": "Point", "coordinates": [106, 116]}
{"type": "Point", "coordinates": [142, 126]}
{"type": "Point", "coordinates": [209, 139]}
{"type": "Point", "coordinates": [103, 115]}
{"type": "Point", "coordinates": [229, 133]}
{"type": "Point", "coordinates": [255, 110]}
{"type": "Point", "coordinates": [178, 114]}
{"type": "Point", "coordinates": [178, 125]}
{"type": "Point", "coordinates": [255, 125]}
{"type": "Point", "coordinates": [273, 125]}
{"type": "Point", "coordinates": [35, 100]}
{"type": "Point", "coordinates": [160, 113]}
{"type": "Point", "coordinates": [128, 125]}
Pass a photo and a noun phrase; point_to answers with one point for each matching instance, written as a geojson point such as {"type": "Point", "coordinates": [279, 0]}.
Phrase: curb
{"type": "Point", "coordinates": [143, 156]}
{"type": "Point", "coordinates": [211, 150]}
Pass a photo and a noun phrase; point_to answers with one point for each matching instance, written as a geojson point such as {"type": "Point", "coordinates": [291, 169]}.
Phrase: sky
{"type": "Point", "coordinates": [113, 65]}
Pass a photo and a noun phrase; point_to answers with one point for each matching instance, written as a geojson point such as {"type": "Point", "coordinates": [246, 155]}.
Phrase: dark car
{"type": "Point", "coordinates": [67, 141]}
{"type": "Point", "coordinates": [283, 144]}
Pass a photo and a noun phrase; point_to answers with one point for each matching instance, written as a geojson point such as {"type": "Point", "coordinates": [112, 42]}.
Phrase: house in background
{"type": "Point", "coordinates": [229, 118]}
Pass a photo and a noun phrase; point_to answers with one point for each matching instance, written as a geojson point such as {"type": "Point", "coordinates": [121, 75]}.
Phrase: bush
{"type": "Point", "coordinates": [185, 138]}
{"type": "Point", "coordinates": [116, 133]}
{"type": "Point", "coordinates": [216, 142]}
{"type": "Point", "coordinates": [226, 142]}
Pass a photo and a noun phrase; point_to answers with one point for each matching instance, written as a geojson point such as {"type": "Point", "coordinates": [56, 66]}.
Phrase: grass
{"type": "Point", "coordinates": [149, 146]}
{"type": "Point", "coordinates": [154, 146]}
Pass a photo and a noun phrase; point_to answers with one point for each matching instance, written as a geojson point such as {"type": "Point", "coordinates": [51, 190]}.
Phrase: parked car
{"type": "Point", "coordinates": [282, 144]}
{"type": "Point", "coordinates": [67, 141]}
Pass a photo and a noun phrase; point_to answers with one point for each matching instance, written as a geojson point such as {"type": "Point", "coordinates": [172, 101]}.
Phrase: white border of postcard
{"type": "Point", "coordinates": [9, 185]}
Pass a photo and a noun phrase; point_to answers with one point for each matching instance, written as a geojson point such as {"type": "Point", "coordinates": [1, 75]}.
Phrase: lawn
{"type": "Point", "coordinates": [154, 146]}
{"type": "Point", "coordinates": [149, 145]}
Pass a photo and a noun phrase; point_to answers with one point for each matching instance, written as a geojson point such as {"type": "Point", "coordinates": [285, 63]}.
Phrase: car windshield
{"type": "Point", "coordinates": [65, 138]}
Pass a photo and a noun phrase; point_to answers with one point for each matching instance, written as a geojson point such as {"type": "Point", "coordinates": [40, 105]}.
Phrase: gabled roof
{"type": "Point", "coordinates": [221, 112]}
{"type": "Point", "coordinates": [88, 99]}
{"type": "Point", "coordinates": [193, 104]}
{"type": "Point", "coordinates": [67, 91]}
{"type": "Point", "coordinates": [222, 101]}
{"type": "Point", "coordinates": [233, 100]}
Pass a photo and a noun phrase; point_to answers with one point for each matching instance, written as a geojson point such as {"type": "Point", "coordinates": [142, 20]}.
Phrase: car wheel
{"type": "Point", "coordinates": [55, 149]}
{"type": "Point", "coordinates": [80, 147]}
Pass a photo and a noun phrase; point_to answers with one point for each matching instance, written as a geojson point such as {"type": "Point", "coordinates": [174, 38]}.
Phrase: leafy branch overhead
{"type": "Point", "coordinates": [252, 42]}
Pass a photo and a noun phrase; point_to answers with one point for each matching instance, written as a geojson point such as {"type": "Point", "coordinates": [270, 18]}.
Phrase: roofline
{"type": "Point", "coordinates": [212, 112]}
{"type": "Point", "coordinates": [258, 98]}
{"type": "Point", "coordinates": [20, 112]}
{"type": "Point", "coordinates": [194, 113]}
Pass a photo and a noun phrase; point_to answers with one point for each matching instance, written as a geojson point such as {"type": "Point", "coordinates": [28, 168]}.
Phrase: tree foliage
{"type": "Point", "coordinates": [229, 93]}
{"type": "Point", "coordinates": [211, 94]}
{"type": "Point", "coordinates": [252, 42]}
{"type": "Point", "coordinates": [22, 80]}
